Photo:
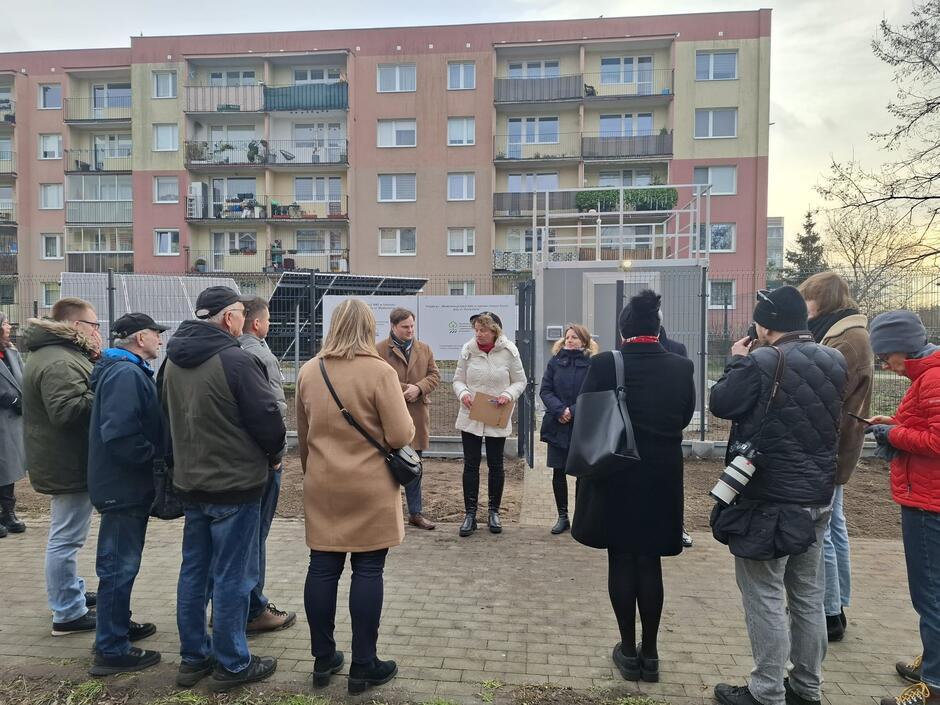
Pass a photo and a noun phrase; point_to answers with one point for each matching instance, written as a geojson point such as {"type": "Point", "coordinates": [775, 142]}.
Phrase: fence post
{"type": "Point", "coordinates": [618, 307]}
{"type": "Point", "coordinates": [35, 308]}
{"type": "Point", "coordinates": [110, 305]}
{"type": "Point", "coordinates": [296, 344]}
{"type": "Point", "coordinates": [703, 353]}
{"type": "Point", "coordinates": [312, 291]}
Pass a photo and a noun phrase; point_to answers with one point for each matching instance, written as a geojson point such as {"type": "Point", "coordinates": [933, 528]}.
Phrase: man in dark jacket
{"type": "Point", "coordinates": [775, 528]}
{"type": "Point", "coordinates": [126, 438]}
{"type": "Point", "coordinates": [228, 434]}
{"type": "Point", "coordinates": [56, 410]}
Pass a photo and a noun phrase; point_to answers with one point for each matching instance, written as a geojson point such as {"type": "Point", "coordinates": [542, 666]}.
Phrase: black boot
{"type": "Point", "coordinates": [494, 483]}
{"type": "Point", "coordinates": [10, 522]}
{"type": "Point", "coordinates": [562, 524]}
{"type": "Point", "coordinates": [471, 494]}
{"type": "Point", "coordinates": [362, 676]}
{"type": "Point", "coordinates": [3, 531]}
{"type": "Point", "coordinates": [496, 526]}
{"type": "Point", "coordinates": [469, 524]}
{"type": "Point", "coordinates": [835, 630]}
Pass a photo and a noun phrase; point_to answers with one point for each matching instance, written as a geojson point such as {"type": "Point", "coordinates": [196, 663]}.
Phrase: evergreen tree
{"type": "Point", "coordinates": [808, 257]}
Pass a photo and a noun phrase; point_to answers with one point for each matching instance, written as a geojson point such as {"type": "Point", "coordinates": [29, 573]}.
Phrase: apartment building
{"type": "Point", "coordinates": [396, 150]}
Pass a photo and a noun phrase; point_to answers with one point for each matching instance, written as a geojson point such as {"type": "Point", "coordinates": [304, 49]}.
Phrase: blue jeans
{"type": "Point", "coordinates": [921, 533]}
{"type": "Point", "coordinates": [413, 492]}
{"type": "Point", "coordinates": [223, 539]}
{"type": "Point", "coordinates": [272, 491]}
{"type": "Point", "coordinates": [68, 529]}
{"type": "Point", "coordinates": [838, 566]}
{"type": "Point", "coordinates": [120, 545]}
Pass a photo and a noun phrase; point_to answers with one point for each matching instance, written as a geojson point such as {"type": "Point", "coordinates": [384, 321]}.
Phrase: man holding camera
{"type": "Point", "coordinates": [785, 400]}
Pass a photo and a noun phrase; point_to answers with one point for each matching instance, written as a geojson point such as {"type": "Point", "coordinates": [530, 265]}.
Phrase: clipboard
{"type": "Point", "coordinates": [485, 410]}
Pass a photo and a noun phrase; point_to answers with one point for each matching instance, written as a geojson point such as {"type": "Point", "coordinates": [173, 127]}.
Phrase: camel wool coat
{"type": "Point", "coordinates": [419, 369]}
{"type": "Point", "coordinates": [351, 501]}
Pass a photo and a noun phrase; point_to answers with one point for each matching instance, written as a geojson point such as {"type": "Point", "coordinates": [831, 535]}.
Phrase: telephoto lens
{"type": "Point", "coordinates": [733, 480]}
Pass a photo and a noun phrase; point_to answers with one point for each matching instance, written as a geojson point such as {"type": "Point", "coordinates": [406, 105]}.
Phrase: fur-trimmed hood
{"type": "Point", "coordinates": [42, 332]}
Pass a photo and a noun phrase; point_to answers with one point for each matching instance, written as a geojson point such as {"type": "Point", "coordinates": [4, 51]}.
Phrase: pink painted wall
{"type": "Point", "coordinates": [150, 216]}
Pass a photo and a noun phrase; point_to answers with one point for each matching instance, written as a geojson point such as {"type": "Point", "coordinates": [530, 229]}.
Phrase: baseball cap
{"type": "Point", "coordinates": [492, 315]}
{"type": "Point", "coordinates": [131, 323]}
{"type": "Point", "coordinates": [216, 298]}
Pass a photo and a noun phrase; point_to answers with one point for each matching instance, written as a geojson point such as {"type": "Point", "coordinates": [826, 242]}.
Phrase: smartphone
{"type": "Point", "coordinates": [752, 331]}
{"type": "Point", "coordinates": [857, 417]}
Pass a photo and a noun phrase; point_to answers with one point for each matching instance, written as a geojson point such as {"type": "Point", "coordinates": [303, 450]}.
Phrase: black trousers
{"type": "Point", "coordinates": [7, 499]}
{"type": "Point", "coordinates": [472, 455]}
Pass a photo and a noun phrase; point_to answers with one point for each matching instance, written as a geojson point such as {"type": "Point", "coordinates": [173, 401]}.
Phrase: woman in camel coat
{"type": "Point", "coordinates": [352, 504]}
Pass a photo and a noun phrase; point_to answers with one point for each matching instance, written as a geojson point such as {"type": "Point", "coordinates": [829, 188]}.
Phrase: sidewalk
{"type": "Point", "coordinates": [521, 607]}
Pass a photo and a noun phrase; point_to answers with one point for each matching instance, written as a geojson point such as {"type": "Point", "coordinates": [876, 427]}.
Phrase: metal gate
{"type": "Point", "coordinates": [525, 341]}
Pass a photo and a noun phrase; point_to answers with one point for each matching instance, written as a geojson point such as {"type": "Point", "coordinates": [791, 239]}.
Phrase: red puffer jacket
{"type": "Point", "coordinates": [915, 472]}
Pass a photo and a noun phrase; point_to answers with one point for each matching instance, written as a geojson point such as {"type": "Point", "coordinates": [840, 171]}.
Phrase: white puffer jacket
{"type": "Point", "coordinates": [499, 372]}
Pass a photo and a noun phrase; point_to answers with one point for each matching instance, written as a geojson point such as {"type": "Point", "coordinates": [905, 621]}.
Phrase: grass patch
{"type": "Point", "coordinates": [86, 693]}
{"type": "Point", "coordinates": [488, 689]}
{"type": "Point", "coordinates": [186, 697]}
{"type": "Point", "coordinates": [638, 700]}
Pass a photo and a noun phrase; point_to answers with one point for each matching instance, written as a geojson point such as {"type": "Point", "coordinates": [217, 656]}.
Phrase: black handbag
{"type": "Point", "coordinates": [602, 439]}
{"type": "Point", "coordinates": [404, 463]}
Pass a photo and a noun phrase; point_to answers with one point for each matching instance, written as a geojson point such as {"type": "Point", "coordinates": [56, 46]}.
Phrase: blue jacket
{"type": "Point", "coordinates": [560, 387]}
{"type": "Point", "coordinates": [126, 434]}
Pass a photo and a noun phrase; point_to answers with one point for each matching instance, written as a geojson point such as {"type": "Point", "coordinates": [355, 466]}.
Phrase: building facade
{"type": "Point", "coordinates": [402, 151]}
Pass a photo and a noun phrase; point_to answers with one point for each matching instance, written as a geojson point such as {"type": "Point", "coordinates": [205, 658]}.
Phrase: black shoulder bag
{"type": "Point", "coordinates": [403, 463]}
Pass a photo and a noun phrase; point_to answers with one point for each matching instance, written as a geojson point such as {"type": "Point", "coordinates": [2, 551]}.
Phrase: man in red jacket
{"type": "Point", "coordinates": [911, 440]}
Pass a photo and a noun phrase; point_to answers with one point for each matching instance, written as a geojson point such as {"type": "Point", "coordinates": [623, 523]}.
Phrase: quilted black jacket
{"type": "Point", "coordinates": [799, 442]}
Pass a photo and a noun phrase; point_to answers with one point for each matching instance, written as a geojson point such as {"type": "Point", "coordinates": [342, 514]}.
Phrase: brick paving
{"type": "Point", "coordinates": [522, 607]}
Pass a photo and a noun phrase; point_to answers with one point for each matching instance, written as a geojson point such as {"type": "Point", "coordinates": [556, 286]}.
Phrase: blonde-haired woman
{"type": "Point", "coordinates": [488, 363]}
{"type": "Point", "coordinates": [351, 502]}
{"type": "Point", "coordinates": [559, 391]}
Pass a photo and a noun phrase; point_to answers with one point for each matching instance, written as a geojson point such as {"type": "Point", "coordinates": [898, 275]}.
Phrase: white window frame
{"type": "Point", "coordinates": [156, 129]}
{"type": "Point", "coordinates": [524, 67]}
{"type": "Point", "coordinates": [156, 83]}
{"type": "Point", "coordinates": [538, 120]}
{"type": "Point", "coordinates": [469, 236]}
{"type": "Point", "coordinates": [45, 291]}
{"type": "Point", "coordinates": [720, 305]}
{"type": "Point", "coordinates": [530, 181]}
{"type": "Point", "coordinates": [42, 96]}
{"type": "Point", "coordinates": [622, 63]}
{"type": "Point", "coordinates": [468, 182]}
{"type": "Point", "coordinates": [398, 252]}
{"type": "Point", "coordinates": [712, 250]}
{"type": "Point", "coordinates": [634, 125]}
{"type": "Point", "coordinates": [467, 126]}
{"type": "Point", "coordinates": [711, 124]}
{"type": "Point", "coordinates": [223, 75]}
{"type": "Point", "coordinates": [156, 242]}
{"type": "Point", "coordinates": [623, 181]}
{"type": "Point", "coordinates": [156, 189]}
{"type": "Point", "coordinates": [60, 254]}
{"type": "Point", "coordinates": [323, 189]}
{"type": "Point", "coordinates": [395, 188]}
{"type": "Point", "coordinates": [708, 169]}
{"type": "Point", "coordinates": [119, 179]}
{"type": "Point", "coordinates": [58, 146]}
{"type": "Point", "coordinates": [61, 200]}
{"type": "Point", "coordinates": [463, 76]}
{"type": "Point", "coordinates": [327, 79]}
{"type": "Point", "coordinates": [394, 124]}
{"type": "Point", "coordinates": [468, 286]}
{"type": "Point", "coordinates": [710, 53]}
{"type": "Point", "coordinates": [398, 68]}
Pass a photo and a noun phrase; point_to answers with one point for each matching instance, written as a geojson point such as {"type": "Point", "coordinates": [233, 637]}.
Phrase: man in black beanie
{"type": "Point", "coordinates": [785, 401]}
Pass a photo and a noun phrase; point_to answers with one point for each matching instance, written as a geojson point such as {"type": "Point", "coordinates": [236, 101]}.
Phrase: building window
{"type": "Point", "coordinates": [306, 76]}
{"type": "Point", "coordinates": [396, 78]}
{"type": "Point", "coordinates": [318, 189]}
{"type": "Point", "coordinates": [52, 246]}
{"type": "Point", "coordinates": [166, 189]}
{"type": "Point", "coordinates": [397, 187]}
{"type": "Point", "coordinates": [165, 137]}
{"type": "Point", "coordinates": [100, 239]}
{"type": "Point", "coordinates": [716, 122]}
{"type": "Point", "coordinates": [51, 196]}
{"type": "Point", "coordinates": [51, 291]}
{"type": "Point", "coordinates": [50, 96]}
{"type": "Point", "coordinates": [104, 187]}
{"type": "Point", "coordinates": [461, 131]}
{"type": "Point", "coordinates": [533, 130]}
{"type": "Point", "coordinates": [113, 146]}
{"type": "Point", "coordinates": [461, 241]}
{"type": "Point", "coordinates": [164, 84]}
{"type": "Point", "coordinates": [722, 238]}
{"type": "Point", "coordinates": [461, 187]}
{"type": "Point", "coordinates": [628, 69]}
{"type": "Point", "coordinates": [461, 76]}
{"type": "Point", "coordinates": [462, 288]}
{"type": "Point", "coordinates": [721, 294]}
{"type": "Point", "coordinates": [625, 178]}
{"type": "Point", "coordinates": [50, 146]}
{"type": "Point", "coordinates": [398, 133]}
{"type": "Point", "coordinates": [7, 293]}
{"type": "Point", "coordinates": [534, 69]}
{"type": "Point", "coordinates": [627, 125]}
{"type": "Point", "coordinates": [166, 242]}
{"type": "Point", "coordinates": [397, 242]}
{"type": "Point", "coordinates": [232, 78]}
{"type": "Point", "coordinates": [723, 179]}
{"type": "Point", "coordinates": [716, 65]}
{"type": "Point", "coordinates": [319, 241]}
{"type": "Point", "coordinates": [527, 183]}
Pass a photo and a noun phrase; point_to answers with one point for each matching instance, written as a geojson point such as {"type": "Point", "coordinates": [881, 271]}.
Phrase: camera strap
{"type": "Point", "coordinates": [774, 388]}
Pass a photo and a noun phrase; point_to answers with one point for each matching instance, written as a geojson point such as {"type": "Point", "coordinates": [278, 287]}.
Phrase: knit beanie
{"type": "Point", "coordinates": [897, 331]}
{"type": "Point", "coordinates": [784, 312]}
{"type": "Point", "coordinates": [641, 315]}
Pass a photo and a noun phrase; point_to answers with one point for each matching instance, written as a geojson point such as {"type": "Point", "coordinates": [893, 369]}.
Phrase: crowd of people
{"type": "Point", "coordinates": [204, 438]}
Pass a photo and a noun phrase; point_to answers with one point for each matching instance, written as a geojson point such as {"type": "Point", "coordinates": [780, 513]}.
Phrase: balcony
{"type": "Point", "coordinates": [650, 85]}
{"type": "Point", "coordinates": [95, 160]}
{"type": "Point", "coordinates": [275, 153]}
{"type": "Point", "coordinates": [313, 96]}
{"type": "Point", "coordinates": [7, 111]}
{"type": "Point", "coordinates": [97, 262]}
{"type": "Point", "coordinates": [224, 99]}
{"type": "Point", "coordinates": [272, 209]}
{"type": "Point", "coordinates": [519, 205]}
{"type": "Point", "coordinates": [99, 212]}
{"type": "Point", "coordinates": [7, 213]}
{"type": "Point", "coordinates": [512, 261]}
{"type": "Point", "coordinates": [8, 263]}
{"type": "Point", "coordinates": [598, 145]}
{"type": "Point", "coordinates": [536, 90]}
{"type": "Point", "coordinates": [271, 260]}
{"type": "Point", "coordinates": [106, 109]}
{"type": "Point", "coordinates": [566, 145]}
{"type": "Point", "coordinates": [7, 163]}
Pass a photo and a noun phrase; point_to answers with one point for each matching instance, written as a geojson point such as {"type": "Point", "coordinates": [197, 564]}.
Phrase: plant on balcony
{"type": "Point", "coordinates": [600, 199]}
{"type": "Point", "coordinates": [197, 151]}
{"type": "Point", "coordinates": [650, 199]}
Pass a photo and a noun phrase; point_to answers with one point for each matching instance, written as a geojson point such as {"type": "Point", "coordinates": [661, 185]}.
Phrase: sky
{"type": "Point", "coordinates": [827, 91]}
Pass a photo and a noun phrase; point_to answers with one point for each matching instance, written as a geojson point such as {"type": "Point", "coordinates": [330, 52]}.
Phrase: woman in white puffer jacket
{"type": "Point", "coordinates": [489, 363]}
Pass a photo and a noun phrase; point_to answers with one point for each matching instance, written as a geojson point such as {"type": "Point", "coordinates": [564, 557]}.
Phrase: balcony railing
{"type": "Point", "coordinates": [7, 110]}
{"type": "Point", "coordinates": [512, 261]}
{"type": "Point", "coordinates": [314, 96]}
{"type": "Point", "coordinates": [7, 162]}
{"type": "Point", "coordinates": [99, 211]}
{"type": "Point", "coordinates": [259, 152]}
{"type": "Point", "coordinates": [8, 263]}
{"type": "Point", "coordinates": [270, 260]}
{"type": "Point", "coordinates": [513, 205]}
{"type": "Point", "coordinates": [82, 160]}
{"type": "Point", "coordinates": [100, 261]}
{"type": "Point", "coordinates": [626, 82]}
{"type": "Point", "coordinates": [273, 209]}
{"type": "Point", "coordinates": [224, 99]}
{"type": "Point", "coordinates": [599, 145]}
{"type": "Point", "coordinates": [106, 109]}
{"type": "Point", "coordinates": [566, 145]}
{"type": "Point", "coordinates": [7, 213]}
{"type": "Point", "coordinates": [533, 90]}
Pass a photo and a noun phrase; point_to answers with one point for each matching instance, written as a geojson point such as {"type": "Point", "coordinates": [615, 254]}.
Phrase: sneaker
{"type": "Point", "coordinates": [134, 660]}
{"type": "Point", "coordinates": [686, 539]}
{"type": "Point", "coordinates": [629, 666]}
{"type": "Point", "coordinates": [910, 671]}
{"type": "Point", "coordinates": [85, 623]}
{"type": "Point", "coordinates": [793, 698]}
{"type": "Point", "coordinates": [91, 599]}
{"type": "Point", "coordinates": [136, 631]}
{"type": "Point", "coordinates": [734, 695]}
{"type": "Point", "coordinates": [835, 630]}
{"type": "Point", "coordinates": [324, 667]}
{"type": "Point", "coordinates": [363, 676]}
{"type": "Point", "coordinates": [259, 668]}
{"type": "Point", "coordinates": [189, 674]}
{"type": "Point", "coordinates": [271, 620]}
{"type": "Point", "coordinates": [917, 694]}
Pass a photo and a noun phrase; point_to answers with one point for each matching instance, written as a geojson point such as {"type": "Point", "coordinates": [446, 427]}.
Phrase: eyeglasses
{"type": "Point", "coordinates": [93, 324]}
{"type": "Point", "coordinates": [764, 295]}
{"type": "Point", "coordinates": [883, 359]}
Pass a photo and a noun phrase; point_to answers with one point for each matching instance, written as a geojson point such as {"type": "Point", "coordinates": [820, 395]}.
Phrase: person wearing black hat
{"type": "Point", "coordinates": [228, 434]}
{"type": "Point", "coordinates": [126, 439]}
{"type": "Point", "coordinates": [785, 401]}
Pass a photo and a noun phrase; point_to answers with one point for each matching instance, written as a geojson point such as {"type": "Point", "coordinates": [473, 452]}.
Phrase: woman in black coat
{"type": "Point", "coordinates": [559, 391]}
{"type": "Point", "coordinates": [636, 514]}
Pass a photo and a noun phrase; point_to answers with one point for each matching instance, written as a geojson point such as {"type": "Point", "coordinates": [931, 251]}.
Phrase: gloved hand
{"type": "Point", "coordinates": [880, 432]}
